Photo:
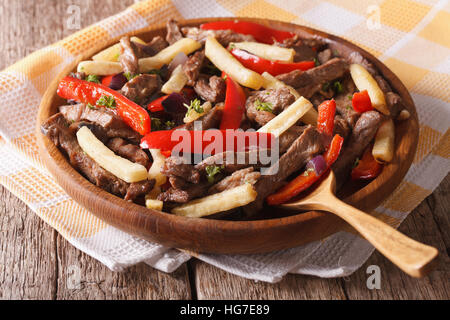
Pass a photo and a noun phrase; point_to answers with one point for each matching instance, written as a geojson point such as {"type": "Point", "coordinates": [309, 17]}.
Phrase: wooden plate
{"type": "Point", "coordinates": [220, 236]}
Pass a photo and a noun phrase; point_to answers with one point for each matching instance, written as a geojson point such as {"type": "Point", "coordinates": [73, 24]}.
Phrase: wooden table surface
{"type": "Point", "coordinates": [36, 262]}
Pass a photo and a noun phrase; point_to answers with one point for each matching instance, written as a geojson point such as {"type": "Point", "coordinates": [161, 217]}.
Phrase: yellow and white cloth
{"type": "Point", "coordinates": [412, 37]}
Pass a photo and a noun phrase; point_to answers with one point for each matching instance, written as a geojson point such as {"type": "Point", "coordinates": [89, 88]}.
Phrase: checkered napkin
{"type": "Point", "coordinates": [411, 37]}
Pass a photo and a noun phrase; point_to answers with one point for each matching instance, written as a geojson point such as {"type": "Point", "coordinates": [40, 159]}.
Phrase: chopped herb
{"type": "Point", "coordinates": [170, 124]}
{"type": "Point", "coordinates": [129, 75]}
{"type": "Point", "coordinates": [231, 46]}
{"type": "Point", "coordinates": [116, 56]}
{"type": "Point", "coordinates": [348, 107]}
{"type": "Point", "coordinates": [156, 124]}
{"type": "Point", "coordinates": [316, 62]}
{"type": "Point", "coordinates": [306, 173]}
{"type": "Point", "coordinates": [90, 106]}
{"type": "Point", "coordinates": [195, 105]}
{"type": "Point", "coordinates": [355, 164]}
{"type": "Point", "coordinates": [268, 93]}
{"type": "Point", "coordinates": [155, 71]}
{"type": "Point", "coordinates": [225, 77]}
{"type": "Point", "coordinates": [337, 86]}
{"type": "Point", "coordinates": [107, 101]}
{"type": "Point", "coordinates": [336, 53]}
{"type": "Point", "coordinates": [326, 86]}
{"type": "Point", "coordinates": [350, 97]}
{"type": "Point", "coordinates": [263, 106]}
{"type": "Point", "coordinates": [93, 78]}
{"type": "Point", "coordinates": [212, 171]}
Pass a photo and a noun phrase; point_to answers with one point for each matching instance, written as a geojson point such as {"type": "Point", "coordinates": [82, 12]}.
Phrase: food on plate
{"type": "Point", "coordinates": [227, 117]}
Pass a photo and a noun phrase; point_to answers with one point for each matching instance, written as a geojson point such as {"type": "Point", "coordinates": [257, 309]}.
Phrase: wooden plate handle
{"type": "Point", "coordinates": [414, 258]}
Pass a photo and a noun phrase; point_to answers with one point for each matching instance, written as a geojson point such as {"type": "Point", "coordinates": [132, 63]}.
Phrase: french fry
{"type": "Point", "coordinates": [403, 115]}
{"type": "Point", "coordinates": [177, 81]}
{"type": "Point", "coordinates": [225, 61]}
{"type": "Point", "coordinates": [155, 173]}
{"type": "Point", "coordinates": [383, 147]}
{"type": "Point", "coordinates": [266, 51]}
{"type": "Point", "coordinates": [287, 118]}
{"type": "Point", "coordinates": [166, 55]}
{"type": "Point", "coordinates": [364, 81]}
{"type": "Point", "coordinates": [270, 82]}
{"type": "Point", "coordinates": [113, 53]}
{"type": "Point", "coordinates": [154, 204]}
{"type": "Point", "coordinates": [108, 160]}
{"type": "Point", "coordinates": [193, 115]}
{"type": "Point", "coordinates": [226, 200]}
{"type": "Point", "coordinates": [100, 68]}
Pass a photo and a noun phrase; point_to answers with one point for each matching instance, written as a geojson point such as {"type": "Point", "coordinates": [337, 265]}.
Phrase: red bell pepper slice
{"type": "Point", "coordinates": [204, 141]}
{"type": "Point", "coordinates": [361, 101]}
{"type": "Point", "coordinates": [325, 119]}
{"type": "Point", "coordinates": [88, 92]}
{"type": "Point", "coordinates": [234, 108]}
{"type": "Point", "coordinates": [306, 179]}
{"type": "Point", "coordinates": [156, 105]}
{"type": "Point", "coordinates": [258, 31]}
{"type": "Point", "coordinates": [258, 64]}
{"type": "Point", "coordinates": [106, 80]}
{"type": "Point", "coordinates": [367, 167]}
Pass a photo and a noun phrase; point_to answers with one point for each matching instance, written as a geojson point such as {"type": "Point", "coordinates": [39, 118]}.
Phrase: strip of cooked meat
{"type": "Point", "coordinates": [364, 131]}
{"type": "Point", "coordinates": [288, 137]}
{"type": "Point", "coordinates": [211, 89]}
{"type": "Point", "coordinates": [224, 37]}
{"type": "Point", "coordinates": [140, 88]}
{"type": "Point", "coordinates": [341, 127]}
{"type": "Point", "coordinates": [210, 120]}
{"type": "Point", "coordinates": [129, 151]}
{"type": "Point", "coordinates": [128, 55]}
{"type": "Point", "coordinates": [192, 67]}
{"type": "Point", "coordinates": [247, 175]}
{"type": "Point", "coordinates": [150, 49]}
{"type": "Point", "coordinates": [276, 100]}
{"type": "Point", "coordinates": [343, 100]}
{"type": "Point", "coordinates": [183, 196]}
{"type": "Point", "coordinates": [325, 55]}
{"type": "Point", "coordinates": [302, 150]}
{"type": "Point", "coordinates": [173, 31]}
{"type": "Point", "coordinates": [309, 82]}
{"type": "Point", "coordinates": [175, 166]}
{"type": "Point", "coordinates": [307, 39]}
{"type": "Point", "coordinates": [57, 129]}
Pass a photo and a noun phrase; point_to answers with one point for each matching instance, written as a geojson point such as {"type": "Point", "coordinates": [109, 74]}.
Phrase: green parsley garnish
{"type": "Point", "coordinates": [170, 124]}
{"type": "Point", "coordinates": [129, 75]}
{"type": "Point", "coordinates": [212, 171]}
{"type": "Point", "coordinates": [337, 86]}
{"type": "Point", "coordinates": [263, 106]}
{"type": "Point", "coordinates": [156, 124]}
{"type": "Point", "coordinates": [90, 106]}
{"type": "Point", "coordinates": [348, 107]}
{"type": "Point", "coordinates": [316, 62]}
{"type": "Point", "coordinates": [350, 97]}
{"type": "Point", "coordinates": [107, 101]}
{"type": "Point", "coordinates": [306, 173]}
{"type": "Point", "coordinates": [93, 78]}
{"type": "Point", "coordinates": [195, 105]}
{"type": "Point", "coordinates": [326, 86]}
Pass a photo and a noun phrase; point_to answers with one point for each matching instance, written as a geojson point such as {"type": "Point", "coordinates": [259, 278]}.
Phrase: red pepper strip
{"type": "Point", "coordinates": [88, 92]}
{"type": "Point", "coordinates": [275, 68]}
{"type": "Point", "coordinates": [368, 167]}
{"type": "Point", "coordinates": [258, 31]}
{"type": "Point", "coordinates": [361, 101]}
{"type": "Point", "coordinates": [156, 105]}
{"type": "Point", "coordinates": [325, 119]}
{"type": "Point", "coordinates": [234, 108]}
{"type": "Point", "coordinates": [306, 179]}
{"type": "Point", "coordinates": [106, 80]}
{"type": "Point", "coordinates": [208, 141]}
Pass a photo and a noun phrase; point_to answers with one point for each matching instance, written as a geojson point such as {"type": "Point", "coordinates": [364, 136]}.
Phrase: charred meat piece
{"type": "Point", "coordinates": [173, 32]}
{"type": "Point", "coordinates": [193, 66]}
{"type": "Point", "coordinates": [288, 137]}
{"type": "Point", "coordinates": [341, 127]}
{"type": "Point", "coordinates": [140, 88]}
{"type": "Point", "coordinates": [247, 175]}
{"type": "Point", "coordinates": [176, 167]}
{"type": "Point", "coordinates": [324, 56]}
{"type": "Point", "coordinates": [129, 151]}
{"type": "Point", "coordinates": [365, 129]}
{"type": "Point", "coordinates": [104, 134]}
{"type": "Point", "coordinates": [210, 120]}
{"type": "Point", "coordinates": [262, 106]}
{"type": "Point", "coordinates": [212, 89]}
{"type": "Point", "coordinates": [224, 37]}
{"type": "Point", "coordinates": [309, 82]}
{"type": "Point", "coordinates": [137, 189]}
{"type": "Point", "coordinates": [343, 100]}
{"type": "Point", "coordinates": [128, 55]}
{"type": "Point", "coordinates": [150, 49]}
{"type": "Point", "coordinates": [302, 150]}
{"type": "Point", "coordinates": [183, 196]}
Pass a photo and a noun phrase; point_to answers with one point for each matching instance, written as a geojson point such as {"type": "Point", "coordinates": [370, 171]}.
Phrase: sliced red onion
{"type": "Point", "coordinates": [317, 163]}
{"type": "Point", "coordinates": [117, 81]}
{"type": "Point", "coordinates": [180, 58]}
{"type": "Point", "coordinates": [174, 103]}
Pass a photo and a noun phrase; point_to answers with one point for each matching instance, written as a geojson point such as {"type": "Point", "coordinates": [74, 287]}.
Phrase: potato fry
{"type": "Point", "coordinates": [266, 51]}
{"type": "Point", "coordinates": [225, 61]}
{"type": "Point", "coordinates": [108, 160]}
{"type": "Point", "coordinates": [364, 81]}
{"type": "Point", "coordinates": [287, 118]}
{"type": "Point", "coordinates": [383, 147]}
{"type": "Point", "coordinates": [193, 115]}
{"type": "Point", "coordinates": [177, 81]}
{"type": "Point", "coordinates": [403, 115]}
{"type": "Point", "coordinates": [100, 68]}
{"type": "Point", "coordinates": [113, 53]}
{"type": "Point", "coordinates": [166, 55]}
{"type": "Point", "coordinates": [154, 204]}
{"type": "Point", "coordinates": [226, 200]}
{"type": "Point", "coordinates": [270, 82]}
{"type": "Point", "coordinates": [155, 170]}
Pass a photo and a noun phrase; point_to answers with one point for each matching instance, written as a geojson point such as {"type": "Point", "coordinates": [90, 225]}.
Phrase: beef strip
{"type": "Point", "coordinates": [57, 129]}
{"type": "Point", "coordinates": [363, 133]}
{"type": "Point", "coordinates": [324, 56]}
{"type": "Point", "coordinates": [309, 40]}
{"type": "Point", "coordinates": [173, 32]}
{"type": "Point", "coordinates": [302, 150]}
{"type": "Point", "coordinates": [211, 88]}
{"type": "Point", "coordinates": [341, 127]}
{"type": "Point", "coordinates": [192, 67]}
{"type": "Point", "coordinates": [288, 137]}
{"type": "Point", "coordinates": [128, 55]}
{"type": "Point", "coordinates": [150, 49]}
{"type": "Point", "coordinates": [174, 166]}
{"type": "Point", "coordinates": [344, 102]}
{"type": "Point", "coordinates": [210, 120]}
{"type": "Point", "coordinates": [182, 196]}
{"type": "Point", "coordinates": [78, 75]}
{"type": "Point", "coordinates": [309, 82]}
{"type": "Point", "coordinates": [129, 151]}
{"type": "Point", "coordinates": [278, 100]}
{"type": "Point", "coordinates": [141, 88]}
{"type": "Point", "coordinates": [107, 124]}
{"type": "Point", "coordinates": [224, 37]}
{"type": "Point", "coordinates": [247, 175]}
{"type": "Point", "coordinates": [105, 134]}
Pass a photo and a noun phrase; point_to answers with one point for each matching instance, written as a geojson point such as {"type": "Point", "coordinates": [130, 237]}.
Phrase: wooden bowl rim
{"type": "Point", "coordinates": [151, 220]}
